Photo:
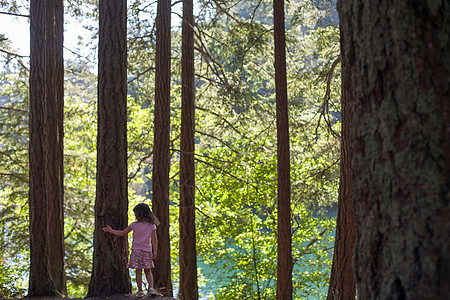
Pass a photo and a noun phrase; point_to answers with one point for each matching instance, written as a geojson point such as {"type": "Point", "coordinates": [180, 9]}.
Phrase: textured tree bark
{"type": "Point", "coordinates": [188, 252]}
{"type": "Point", "coordinates": [47, 276]}
{"type": "Point", "coordinates": [161, 145]}
{"type": "Point", "coordinates": [284, 263]}
{"type": "Point", "coordinates": [342, 280]}
{"type": "Point", "coordinates": [397, 77]}
{"type": "Point", "coordinates": [55, 114]}
{"type": "Point", "coordinates": [41, 283]}
{"type": "Point", "coordinates": [109, 272]}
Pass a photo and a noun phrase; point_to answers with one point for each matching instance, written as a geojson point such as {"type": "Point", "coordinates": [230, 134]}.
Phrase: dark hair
{"type": "Point", "coordinates": [144, 214]}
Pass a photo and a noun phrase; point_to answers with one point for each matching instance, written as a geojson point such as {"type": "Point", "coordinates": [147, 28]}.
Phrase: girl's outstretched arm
{"type": "Point", "coordinates": [154, 244]}
{"type": "Point", "coordinates": [117, 232]}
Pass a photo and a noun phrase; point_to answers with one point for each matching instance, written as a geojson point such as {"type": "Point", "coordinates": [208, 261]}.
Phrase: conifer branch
{"type": "Point", "coordinates": [13, 14]}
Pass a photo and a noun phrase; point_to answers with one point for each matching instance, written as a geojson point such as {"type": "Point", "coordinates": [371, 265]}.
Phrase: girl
{"type": "Point", "coordinates": [142, 255]}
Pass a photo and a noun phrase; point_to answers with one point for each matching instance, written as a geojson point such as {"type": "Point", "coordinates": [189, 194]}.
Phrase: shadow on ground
{"type": "Point", "coordinates": [112, 297]}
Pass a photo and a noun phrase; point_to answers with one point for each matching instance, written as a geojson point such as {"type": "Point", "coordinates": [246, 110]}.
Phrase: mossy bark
{"type": "Point", "coordinates": [397, 73]}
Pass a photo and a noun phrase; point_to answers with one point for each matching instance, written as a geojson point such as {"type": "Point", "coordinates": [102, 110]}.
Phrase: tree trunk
{"type": "Point", "coordinates": [396, 71]}
{"type": "Point", "coordinates": [109, 272]}
{"type": "Point", "coordinates": [188, 253]}
{"type": "Point", "coordinates": [47, 276]}
{"type": "Point", "coordinates": [342, 279]}
{"type": "Point", "coordinates": [55, 114]}
{"type": "Point", "coordinates": [161, 145]}
{"type": "Point", "coordinates": [284, 264]}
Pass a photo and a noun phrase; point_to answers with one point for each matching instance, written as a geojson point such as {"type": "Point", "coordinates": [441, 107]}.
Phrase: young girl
{"type": "Point", "coordinates": [142, 255]}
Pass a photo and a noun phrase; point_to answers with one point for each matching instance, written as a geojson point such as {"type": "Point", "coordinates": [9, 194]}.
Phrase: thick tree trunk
{"type": "Point", "coordinates": [188, 252]}
{"type": "Point", "coordinates": [161, 145]}
{"type": "Point", "coordinates": [109, 272]}
{"type": "Point", "coordinates": [284, 264]}
{"type": "Point", "coordinates": [41, 283]}
{"type": "Point", "coordinates": [396, 71]}
{"type": "Point", "coordinates": [47, 276]}
{"type": "Point", "coordinates": [342, 279]}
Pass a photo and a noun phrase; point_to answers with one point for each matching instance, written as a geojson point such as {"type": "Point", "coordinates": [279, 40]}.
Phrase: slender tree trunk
{"type": "Point", "coordinates": [47, 276]}
{"type": "Point", "coordinates": [396, 71]}
{"type": "Point", "coordinates": [109, 272]}
{"type": "Point", "coordinates": [161, 145]}
{"type": "Point", "coordinates": [342, 279]}
{"type": "Point", "coordinates": [55, 113]}
{"type": "Point", "coordinates": [284, 264]}
{"type": "Point", "coordinates": [188, 253]}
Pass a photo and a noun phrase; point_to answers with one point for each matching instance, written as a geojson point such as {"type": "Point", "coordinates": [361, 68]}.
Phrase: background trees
{"type": "Point", "coordinates": [399, 95]}
{"type": "Point", "coordinates": [235, 144]}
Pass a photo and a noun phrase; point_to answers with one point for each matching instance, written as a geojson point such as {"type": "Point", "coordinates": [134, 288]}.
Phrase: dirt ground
{"type": "Point", "coordinates": [113, 297]}
{"type": "Point", "coordinates": [127, 297]}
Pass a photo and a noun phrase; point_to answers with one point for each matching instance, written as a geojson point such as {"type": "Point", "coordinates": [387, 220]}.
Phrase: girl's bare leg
{"type": "Point", "coordinates": [149, 275]}
{"type": "Point", "coordinates": [139, 279]}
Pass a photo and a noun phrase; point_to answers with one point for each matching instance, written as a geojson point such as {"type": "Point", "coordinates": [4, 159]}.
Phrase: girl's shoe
{"type": "Point", "coordinates": [140, 294]}
{"type": "Point", "coordinates": [152, 292]}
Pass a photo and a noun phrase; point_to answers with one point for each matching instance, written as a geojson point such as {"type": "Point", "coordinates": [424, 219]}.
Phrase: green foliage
{"type": "Point", "coordinates": [80, 115]}
{"type": "Point", "coordinates": [236, 162]}
{"type": "Point", "coordinates": [13, 177]}
{"type": "Point", "coordinates": [237, 226]}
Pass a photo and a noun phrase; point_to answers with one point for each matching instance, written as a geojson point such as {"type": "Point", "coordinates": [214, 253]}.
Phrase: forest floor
{"type": "Point", "coordinates": [112, 297]}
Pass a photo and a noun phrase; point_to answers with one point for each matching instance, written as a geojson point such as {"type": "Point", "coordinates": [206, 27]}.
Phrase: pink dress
{"type": "Point", "coordinates": [141, 249]}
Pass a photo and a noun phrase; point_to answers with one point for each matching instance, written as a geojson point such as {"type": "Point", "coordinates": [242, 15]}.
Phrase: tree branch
{"type": "Point", "coordinates": [139, 165]}
{"type": "Point", "coordinates": [12, 53]}
{"type": "Point", "coordinates": [14, 14]}
{"type": "Point", "coordinates": [312, 242]}
{"type": "Point", "coordinates": [15, 176]}
{"type": "Point", "coordinates": [140, 74]}
{"type": "Point", "coordinates": [13, 160]}
{"type": "Point", "coordinates": [201, 48]}
{"type": "Point", "coordinates": [219, 139]}
{"type": "Point", "coordinates": [141, 161]}
{"type": "Point", "coordinates": [225, 11]}
{"type": "Point", "coordinates": [14, 109]}
{"type": "Point", "coordinates": [326, 99]}
{"type": "Point", "coordinates": [220, 117]}
{"type": "Point", "coordinates": [223, 170]}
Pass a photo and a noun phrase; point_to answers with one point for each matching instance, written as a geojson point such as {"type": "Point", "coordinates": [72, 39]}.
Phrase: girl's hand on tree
{"type": "Point", "coordinates": [155, 254]}
{"type": "Point", "coordinates": [107, 228]}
